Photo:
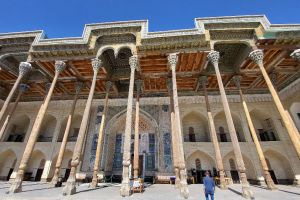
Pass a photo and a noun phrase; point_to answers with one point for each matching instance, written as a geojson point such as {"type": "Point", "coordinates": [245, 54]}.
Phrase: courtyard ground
{"type": "Point", "coordinates": [41, 191]}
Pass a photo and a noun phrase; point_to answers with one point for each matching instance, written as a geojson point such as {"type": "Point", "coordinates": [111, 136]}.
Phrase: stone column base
{"type": "Point", "coordinates": [261, 181]}
{"type": "Point", "coordinates": [125, 190]}
{"type": "Point", "coordinates": [297, 180]}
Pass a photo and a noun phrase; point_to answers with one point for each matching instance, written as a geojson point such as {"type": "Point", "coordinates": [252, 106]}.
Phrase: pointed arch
{"type": "Point", "coordinates": [8, 161]}
{"type": "Point", "coordinates": [195, 127]}
{"type": "Point", "coordinates": [280, 165]}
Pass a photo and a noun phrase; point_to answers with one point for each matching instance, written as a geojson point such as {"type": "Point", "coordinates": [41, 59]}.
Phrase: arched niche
{"type": "Point", "coordinates": [74, 129]}
{"type": "Point", "coordinates": [17, 129]}
{"type": "Point", "coordinates": [65, 165]}
{"type": "Point", "coordinates": [263, 125]}
{"type": "Point", "coordinates": [281, 167]}
{"type": "Point", "coordinates": [222, 127]}
{"type": "Point", "coordinates": [115, 130]}
{"type": "Point", "coordinates": [206, 161]}
{"type": "Point", "coordinates": [8, 161]}
{"type": "Point", "coordinates": [195, 128]}
{"type": "Point", "coordinates": [47, 129]}
{"type": "Point", "coordinates": [231, 167]}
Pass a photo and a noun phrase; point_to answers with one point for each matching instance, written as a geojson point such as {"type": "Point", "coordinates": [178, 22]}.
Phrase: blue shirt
{"type": "Point", "coordinates": [209, 185]}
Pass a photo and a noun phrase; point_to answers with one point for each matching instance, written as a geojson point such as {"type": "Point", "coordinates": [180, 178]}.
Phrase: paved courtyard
{"type": "Point", "coordinates": [41, 191]}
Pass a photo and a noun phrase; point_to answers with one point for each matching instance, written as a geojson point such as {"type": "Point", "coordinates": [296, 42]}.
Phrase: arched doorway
{"type": "Point", "coordinates": [280, 168]}
{"type": "Point", "coordinates": [8, 161]}
{"type": "Point", "coordinates": [231, 168]}
{"type": "Point", "coordinates": [65, 165]}
{"type": "Point", "coordinates": [35, 167]}
{"type": "Point", "coordinates": [198, 163]}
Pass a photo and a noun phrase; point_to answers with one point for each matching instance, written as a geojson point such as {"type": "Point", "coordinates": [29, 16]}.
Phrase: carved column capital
{"type": "Point", "coordinates": [213, 57]}
{"type": "Point", "coordinates": [257, 56]}
{"type": "Point", "coordinates": [203, 81]}
{"type": "Point", "coordinates": [23, 87]}
{"type": "Point", "coordinates": [133, 62]}
{"type": "Point", "coordinates": [78, 87]}
{"type": "Point", "coordinates": [108, 86]}
{"type": "Point", "coordinates": [96, 64]}
{"type": "Point", "coordinates": [237, 80]}
{"type": "Point", "coordinates": [172, 60]}
{"type": "Point", "coordinates": [59, 66]}
{"type": "Point", "coordinates": [296, 55]}
{"type": "Point", "coordinates": [24, 68]}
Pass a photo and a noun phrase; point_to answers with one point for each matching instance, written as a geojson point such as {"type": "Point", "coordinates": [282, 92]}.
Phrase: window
{"type": "Point", "coordinates": [192, 136]}
{"type": "Point", "coordinates": [150, 157]}
{"type": "Point", "coordinates": [298, 114]}
{"type": "Point", "coordinates": [117, 163]}
{"type": "Point", "coordinates": [222, 133]}
{"type": "Point", "coordinates": [167, 151]}
{"type": "Point", "coordinates": [75, 132]}
{"type": "Point", "coordinates": [198, 164]}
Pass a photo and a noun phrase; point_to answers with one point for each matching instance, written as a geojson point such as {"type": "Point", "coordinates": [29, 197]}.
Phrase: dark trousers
{"type": "Point", "coordinates": [209, 194]}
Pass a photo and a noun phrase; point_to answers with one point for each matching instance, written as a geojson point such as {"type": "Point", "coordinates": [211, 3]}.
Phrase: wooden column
{"type": "Point", "coordinates": [174, 135]}
{"type": "Point", "coordinates": [214, 137]}
{"type": "Point", "coordinates": [136, 131]}
{"type": "Point", "coordinates": [17, 184]}
{"type": "Point", "coordinates": [261, 156]}
{"type": "Point", "coordinates": [24, 68]}
{"type": "Point", "coordinates": [70, 187]}
{"type": "Point", "coordinates": [257, 57]}
{"type": "Point", "coordinates": [172, 60]}
{"type": "Point", "coordinates": [125, 187]}
{"type": "Point", "coordinates": [22, 88]}
{"type": "Point", "coordinates": [273, 77]}
{"type": "Point", "coordinates": [99, 149]}
{"type": "Point", "coordinates": [63, 145]}
{"type": "Point", "coordinates": [213, 57]}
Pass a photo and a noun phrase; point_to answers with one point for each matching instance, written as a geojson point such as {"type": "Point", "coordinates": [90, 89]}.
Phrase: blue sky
{"type": "Point", "coordinates": [66, 18]}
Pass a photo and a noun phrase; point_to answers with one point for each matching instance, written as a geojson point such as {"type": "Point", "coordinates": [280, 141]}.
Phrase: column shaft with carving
{"type": "Point", "coordinates": [214, 137]}
{"type": "Point", "coordinates": [174, 136]}
{"type": "Point", "coordinates": [17, 184]}
{"type": "Point", "coordinates": [125, 187]}
{"type": "Point", "coordinates": [257, 57]}
{"type": "Point", "coordinates": [261, 156]}
{"type": "Point", "coordinates": [63, 145]}
{"type": "Point", "coordinates": [22, 88]}
{"type": "Point", "coordinates": [213, 57]}
{"type": "Point", "coordinates": [24, 68]}
{"type": "Point", "coordinates": [136, 131]}
{"type": "Point", "coordinates": [99, 149]}
{"type": "Point", "coordinates": [70, 187]}
{"type": "Point", "coordinates": [172, 60]}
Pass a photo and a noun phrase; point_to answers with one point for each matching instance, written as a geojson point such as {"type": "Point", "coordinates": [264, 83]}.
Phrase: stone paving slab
{"type": "Point", "coordinates": [42, 191]}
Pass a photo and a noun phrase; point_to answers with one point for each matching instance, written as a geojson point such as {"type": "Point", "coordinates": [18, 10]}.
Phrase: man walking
{"type": "Point", "coordinates": [209, 186]}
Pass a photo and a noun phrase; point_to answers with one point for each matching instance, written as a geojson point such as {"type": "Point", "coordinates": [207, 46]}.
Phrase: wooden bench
{"type": "Point", "coordinates": [160, 179]}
